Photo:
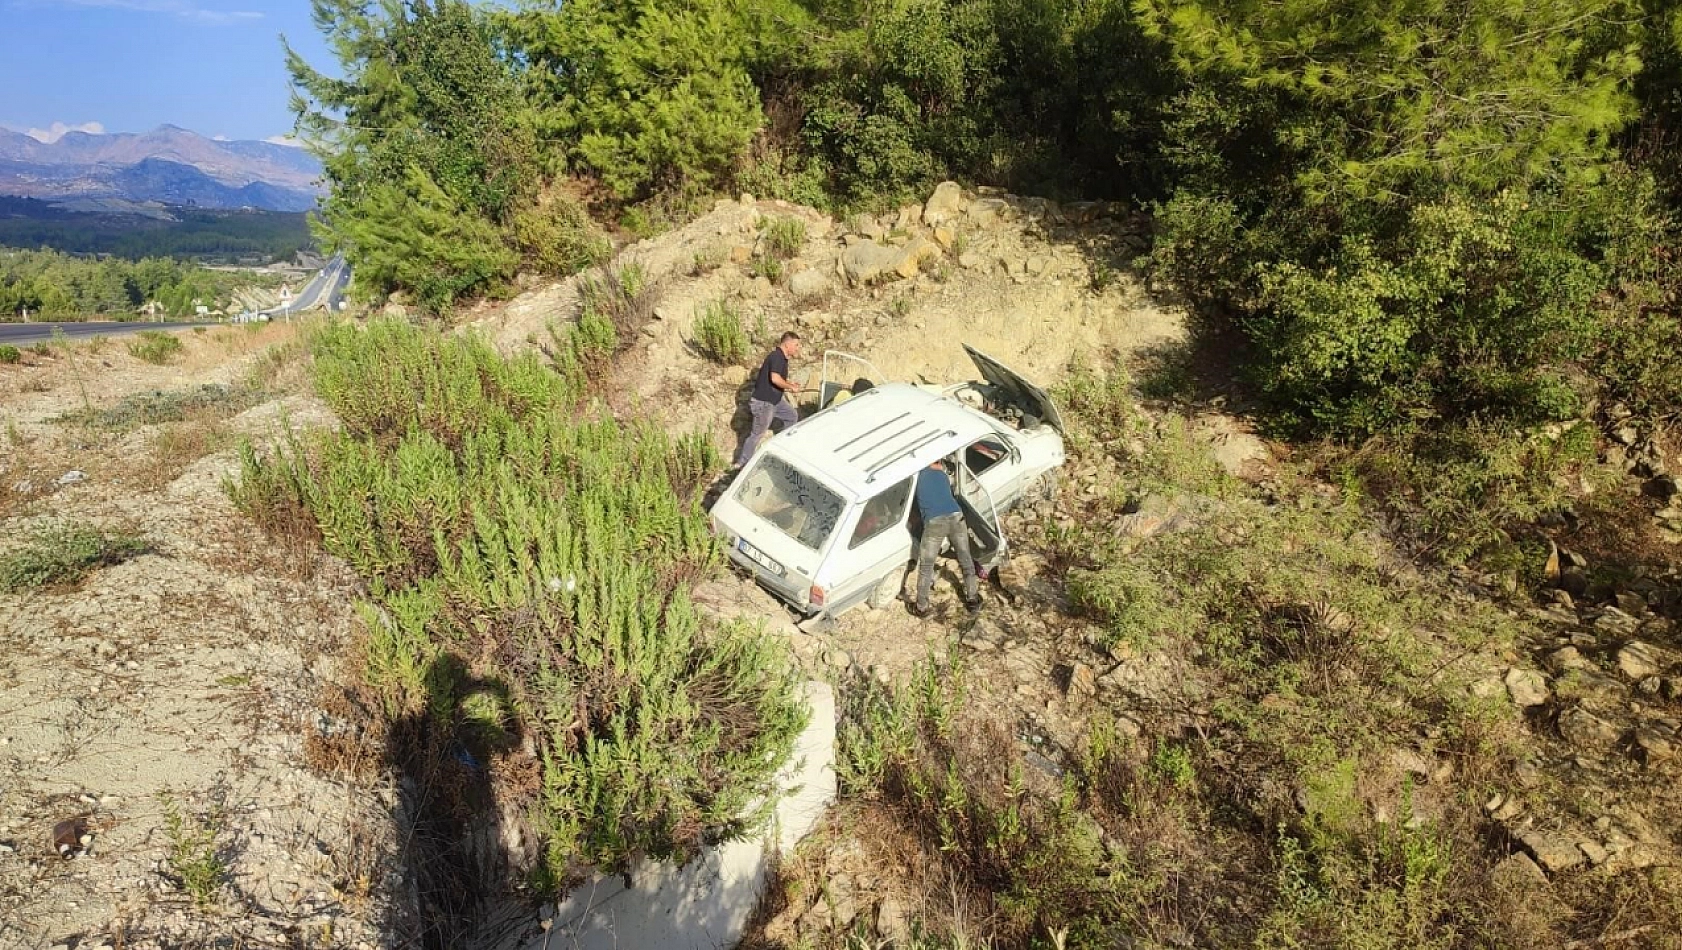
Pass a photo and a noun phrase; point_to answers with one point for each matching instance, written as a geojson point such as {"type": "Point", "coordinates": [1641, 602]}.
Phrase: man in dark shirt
{"type": "Point", "coordinates": [767, 404]}
{"type": "Point", "coordinates": [943, 520]}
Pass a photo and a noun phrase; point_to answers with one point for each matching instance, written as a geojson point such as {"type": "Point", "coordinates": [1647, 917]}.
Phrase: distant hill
{"type": "Point", "coordinates": [168, 164]}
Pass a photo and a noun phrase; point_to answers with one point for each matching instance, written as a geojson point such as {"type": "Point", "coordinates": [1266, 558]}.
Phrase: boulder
{"type": "Point", "coordinates": [893, 923]}
{"type": "Point", "coordinates": [1640, 660]}
{"type": "Point", "coordinates": [945, 237]}
{"type": "Point", "coordinates": [1554, 853]}
{"type": "Point", "coordinates": [970, 260]}
{"type": "Point", "coordinates": [735, 376]}
{"type": "Point", "coordinates": [1527, 688]}
{"type": "Point", "coordinates": [1655, 744]}
{"type": "Point", "coordinates": [741, 254]}
{"type": "Point", "coordinates": [1518, 871]}
{"type": "Point", "coordinates": [1631, 603]}
{"type": "Point", "coordinates": [1082, 683]}
{"type": "Point", "coordinates": [868, 261]}
{"type": "Point", "coordinates": [1568, 658]}
{"type": "Point", "coordinates": [907, 217]}
{"type": "Point", "coordinates": [1550, 567]}
{"type": "Point", "coordinates": [987, 212]}
{"type": "Point", "coordinates": [809, 285]}
{"type": "Point", "coordinates": [914, 255]}
{"type": "Point", "coordinates": [944, 205]}
{"type": "Point", "coordinates": [1586, 731]}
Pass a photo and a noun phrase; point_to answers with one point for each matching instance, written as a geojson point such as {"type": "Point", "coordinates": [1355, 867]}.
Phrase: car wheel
{"type": "Point", "coordinates": [1041, 490]}
{"type": "Point", "coordinates": [887, 589]}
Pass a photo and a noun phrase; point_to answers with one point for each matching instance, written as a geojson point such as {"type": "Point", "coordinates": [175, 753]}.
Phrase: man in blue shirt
{"type": "Point", "coordinates": [767, 404]}
{"type": "Point", "coordinates": [943, 520]}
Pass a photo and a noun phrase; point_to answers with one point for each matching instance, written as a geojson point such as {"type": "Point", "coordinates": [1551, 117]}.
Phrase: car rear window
{"type": "Point", "coordinates": [797, 504]}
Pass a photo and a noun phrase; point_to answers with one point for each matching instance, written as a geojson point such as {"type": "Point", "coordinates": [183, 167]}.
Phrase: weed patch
{"type": "Point", "coordinates": [193, 861]}
{"type": "Point", "coordinates": [64, 556]}
{"type": "Point", "coordinates": [784, 237]}
{"type": "Point", "coordinates": [9, 353]}
{"type": "Point", "coordinates": [156, 347]}
{"type": "Point", "coordinates": [529, 561]}
{"type": "Point", "coordinates": [719, 333]}
{"type": "Point", "coordinates": [213, 400]}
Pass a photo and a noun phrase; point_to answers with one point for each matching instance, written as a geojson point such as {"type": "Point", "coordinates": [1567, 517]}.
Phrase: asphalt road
{"type": "Point", "coordinates": [22, 334]}
{"type": "Point", "coordinates": [325, 287]}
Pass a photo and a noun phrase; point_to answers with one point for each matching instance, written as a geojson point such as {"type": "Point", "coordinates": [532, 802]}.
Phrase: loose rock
{"type": "Point", "coordinates": [1527, 688]}
{"type": "Point", "coordinates": [1552, 852]}
{"type": "Point", "coordinates": [944, 205]}
{"type": "Point", "coordinates": [1586, 731]}
{"type": "Point", "coordinates": [1640, 660]}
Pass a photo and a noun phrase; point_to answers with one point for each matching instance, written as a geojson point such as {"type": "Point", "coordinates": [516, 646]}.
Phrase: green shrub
{"type": "Point", "coordinates": [64, 556]}
{"type": "Point", "coordinates": [519, 544]}
{"type": "Point", "coordinates": [155, 346]}
{"type": "Point", "coordinates": [784, 237]}
{"type": "Point", "coordinates": [9, 353]}
{"type": "Point", "coordinates": [558, 237]}
{"type": "Point", "coordinates": [194, 857]}
{"type": "Point", "coordinates": [770, 268]}
{"type": "Point", "coordinates": [720, 335]}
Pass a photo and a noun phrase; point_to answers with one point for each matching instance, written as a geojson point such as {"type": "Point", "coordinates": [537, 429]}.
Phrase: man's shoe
{"type": "Point", "coordinates": [918, 610]}
{"type": "Point", "coordinates": [972, 603]}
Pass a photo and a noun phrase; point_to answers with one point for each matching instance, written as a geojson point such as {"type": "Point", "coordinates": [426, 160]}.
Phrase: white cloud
{"type": "Point", "coordinates": [285, 140]}
{"type": "Point", "coordinates": [57, 130]}
{"type": "Point", "coordinates": [185, 9]}
{"type": "Point", "coordinates": [220, 138]}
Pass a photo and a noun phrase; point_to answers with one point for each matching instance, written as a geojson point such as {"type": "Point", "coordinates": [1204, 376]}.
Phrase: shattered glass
{"type": "Point", "coordinates": [797, 504]}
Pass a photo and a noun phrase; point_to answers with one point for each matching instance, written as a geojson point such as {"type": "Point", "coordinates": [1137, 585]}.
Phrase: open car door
{"type": "Point", "coordinates": [841, 371]}
{"type": "Point", "coordinates": [981, 516]}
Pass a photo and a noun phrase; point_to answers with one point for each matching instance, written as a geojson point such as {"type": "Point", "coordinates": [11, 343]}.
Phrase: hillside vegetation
{"type": "Point", "coordinates": [51, 284]}
{"type": "Point", "coordinates": [1414, 217]}
{"type": "Point", "coordinates": [1432, 247]}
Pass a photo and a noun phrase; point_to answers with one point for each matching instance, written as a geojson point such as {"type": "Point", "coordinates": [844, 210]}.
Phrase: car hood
{"type": "Point", "coordinates": [1011, 381]}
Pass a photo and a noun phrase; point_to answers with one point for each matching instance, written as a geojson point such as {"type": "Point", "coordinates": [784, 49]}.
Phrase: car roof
{"type": "Point", "coordinates": [880, 437]}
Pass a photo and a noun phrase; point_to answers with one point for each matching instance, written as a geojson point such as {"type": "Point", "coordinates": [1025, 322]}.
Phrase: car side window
{"type": "Point", "coordinates": [881, 513]}
{"type": "Point", "coordinates": [985, 454]}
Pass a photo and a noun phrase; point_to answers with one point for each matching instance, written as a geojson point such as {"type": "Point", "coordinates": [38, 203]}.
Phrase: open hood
{"type": "Point", "coordinates": [1022, 391]}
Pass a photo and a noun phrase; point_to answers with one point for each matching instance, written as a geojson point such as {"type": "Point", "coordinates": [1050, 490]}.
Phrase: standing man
{"type": "Point", "coordinates": [767, 404]}
{"type": "Point", "coordinates": [943, 520]}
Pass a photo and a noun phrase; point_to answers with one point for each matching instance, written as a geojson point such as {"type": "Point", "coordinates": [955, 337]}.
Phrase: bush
{"type": "Point", "coordinates": [720, 334]}
{"type": "Point", "coordinates": [528, 558]}
{"type": "Point", "coordinates": [155, 346]}
{"type": "Point", "coordinates": [65, 556]}
{"type": "Point", "coordinates": [784, 237]}
{"type": "Point", "coordinates": [9, 353]}
{"type": "Point", "coordinates": [556, 236]}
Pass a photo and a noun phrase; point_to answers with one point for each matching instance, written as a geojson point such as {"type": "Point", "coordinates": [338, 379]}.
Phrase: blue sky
{"type": "Point", "coordinates": [213, 66]}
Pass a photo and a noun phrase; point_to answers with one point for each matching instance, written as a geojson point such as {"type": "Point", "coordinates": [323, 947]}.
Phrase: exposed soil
{"type": "Point", "coordinates": [184, 680]}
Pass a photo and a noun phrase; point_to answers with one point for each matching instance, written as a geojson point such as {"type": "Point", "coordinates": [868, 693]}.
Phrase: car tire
{"type": "Point", "coordinates": [888, 589]}
{"type": "Point", "coordinates": [1042, 490]}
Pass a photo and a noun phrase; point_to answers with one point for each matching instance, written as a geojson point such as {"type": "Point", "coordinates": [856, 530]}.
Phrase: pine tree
{"type": "Point", "coordinates": [426, 143]}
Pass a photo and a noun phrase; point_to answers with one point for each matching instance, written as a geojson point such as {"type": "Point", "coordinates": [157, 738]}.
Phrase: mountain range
{"type": "Point", "coordinates": [167, 165]}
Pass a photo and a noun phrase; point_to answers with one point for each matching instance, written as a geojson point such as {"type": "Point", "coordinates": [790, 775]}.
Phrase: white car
{"type": "Point", "coordinates": [822, 514]}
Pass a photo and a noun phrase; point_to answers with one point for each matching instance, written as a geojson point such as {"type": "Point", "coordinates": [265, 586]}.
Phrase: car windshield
{"type": "Point", "coordinates": [797, 504]}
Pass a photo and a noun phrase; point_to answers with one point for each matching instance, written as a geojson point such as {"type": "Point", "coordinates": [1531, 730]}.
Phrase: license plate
{"type": "Point", "coordinates": [758, 557]}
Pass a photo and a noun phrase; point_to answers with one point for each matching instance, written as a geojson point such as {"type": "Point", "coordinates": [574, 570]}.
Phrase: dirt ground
{"type": "Point", "coordinates": [179, 684]}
